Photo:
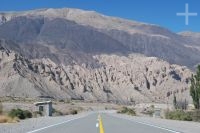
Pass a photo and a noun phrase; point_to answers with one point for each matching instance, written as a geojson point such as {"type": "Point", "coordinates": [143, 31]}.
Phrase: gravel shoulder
{"type": "Point", "coordinates": [36, 123]}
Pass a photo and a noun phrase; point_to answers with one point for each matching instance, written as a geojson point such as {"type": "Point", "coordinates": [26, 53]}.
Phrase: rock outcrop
{"type": "Point", "coordinates": [118, 79]}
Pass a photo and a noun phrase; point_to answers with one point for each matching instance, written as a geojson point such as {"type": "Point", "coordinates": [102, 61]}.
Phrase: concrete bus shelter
{"type": "Point", "coordinates": [44, 107]}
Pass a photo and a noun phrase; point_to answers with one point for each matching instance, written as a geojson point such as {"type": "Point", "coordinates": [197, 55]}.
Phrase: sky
{"type": "Point", "coordinates": [159, 12]}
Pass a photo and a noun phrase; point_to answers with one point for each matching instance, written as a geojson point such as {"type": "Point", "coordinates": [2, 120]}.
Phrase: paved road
{"type": "Point", "coordinates": [111, 124]}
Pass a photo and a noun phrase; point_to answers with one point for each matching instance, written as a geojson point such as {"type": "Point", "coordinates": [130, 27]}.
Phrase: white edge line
{"type": "Point", "coordinates": [163, 128]}
{"type": "Point", "coordinates": [57, 124]}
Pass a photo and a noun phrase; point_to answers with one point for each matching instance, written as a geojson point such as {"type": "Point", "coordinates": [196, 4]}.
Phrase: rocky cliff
{"type": "Point", "coordinates": [119, 79]}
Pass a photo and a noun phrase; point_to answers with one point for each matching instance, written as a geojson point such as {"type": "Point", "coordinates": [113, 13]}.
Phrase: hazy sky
{"type": "Point", "coordinates": [160, 12]}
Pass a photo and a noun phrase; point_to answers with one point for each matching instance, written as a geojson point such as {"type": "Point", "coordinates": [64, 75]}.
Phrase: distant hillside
{"type": "Point", "coordinates": [67, 35]}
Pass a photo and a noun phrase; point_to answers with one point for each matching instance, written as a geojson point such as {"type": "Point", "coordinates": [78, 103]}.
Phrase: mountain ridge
{"type": "Point", "coordinates": [131, 36]}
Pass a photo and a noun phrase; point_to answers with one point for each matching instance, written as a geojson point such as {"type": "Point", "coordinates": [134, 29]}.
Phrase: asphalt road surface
{"type": "Point", "coordinates": [111, 124]}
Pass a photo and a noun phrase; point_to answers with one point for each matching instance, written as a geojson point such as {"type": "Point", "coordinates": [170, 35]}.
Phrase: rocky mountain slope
{"type": "Point", "coordinates": [135, 78]}
{"type": "Point", "coordinates": [83, 55]}
{"type": "Point", "coordinates": [193, 39]}
{"type": "Point", "coordinates": [79, 34]}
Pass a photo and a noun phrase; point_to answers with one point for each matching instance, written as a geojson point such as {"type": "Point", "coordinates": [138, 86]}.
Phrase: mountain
{"type": "Point", "coordinates": [193, 39]}
{"type": "Point", "coordinates": [61, 40]}
{"type": "Point", "coordinates": [83, 55]}
{"type": "Point", "coordinates": [135, 78]}
{"type": "Point", "coordinates": [67, 35]}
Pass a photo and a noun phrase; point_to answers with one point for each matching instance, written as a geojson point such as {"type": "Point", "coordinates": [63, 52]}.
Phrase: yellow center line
{"type": "Point", "coordinates": [101, 129]}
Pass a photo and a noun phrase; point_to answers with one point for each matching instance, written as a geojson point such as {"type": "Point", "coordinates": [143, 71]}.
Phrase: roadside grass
{"type": "Point", "coordinates": [178, 115]}
{"type": "Point", "coordinates": [69, 111]}
{"type": "Point", "coordinates": [7, 119]}
{"type": "Point", "coordinates": [19, 113]}
{"type": "Point", "coordinates": [57, 112]}
{"type": "Point", "coordinates": [73, 112]}
{"type": "Point", "coordinates": [195, 115]}
{"type": "Point", "coordinates": [183, 115]}
{"type": "Point", "coordinates": [126, 110]}
{"type": "Point", "coordinates": [37, 114]}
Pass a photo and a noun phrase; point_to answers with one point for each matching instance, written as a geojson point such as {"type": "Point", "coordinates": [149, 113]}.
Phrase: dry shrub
{"type": "Point", "coordinates": [7, 119]}
{"type": "Point", "coordinates": [126, 110]}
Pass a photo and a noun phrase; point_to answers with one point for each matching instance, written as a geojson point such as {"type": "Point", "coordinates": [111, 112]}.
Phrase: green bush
{"type": "Point", "coordinates": [27, 114]}
{"type": "Point", "coordinates": [21, 114]}
{"type": "Point", "coordinates": [74, 112]}
{"type": "Point", "coordinates": [179, 115]}
{"type": "Point", "coordinates": [185, 116]}
{"type": "Point", "coordinates": [125, 110]}
{"type": "Point", "coordinates": [195, 115]}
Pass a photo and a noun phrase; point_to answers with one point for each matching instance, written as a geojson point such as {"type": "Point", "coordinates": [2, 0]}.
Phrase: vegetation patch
{"type": "Point", "coordinates": [19, 113]}
{"type": "Point", "coordinates": [73, 112]}
{"type": "Point", "coordinates": [179, 115]}
{"type": "Point", "coordinates": [126, 110]}
{"type": "Point", "coordinates": [195, 88]}
{"type": "Point", "coordinates": [181, 106]}
{"type": "Point", "coordinates": [68, 111]}
{"type": "Point", "coordinates": [57, 112]}
{"type": "Point", "coordinates": [7, 119]}
{"type": "Point", "coordinates": [37, 114]}
{"type": "Point", "coordinates": [195, 115]}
